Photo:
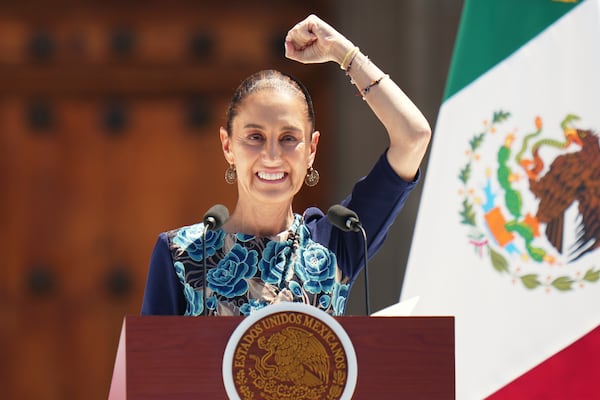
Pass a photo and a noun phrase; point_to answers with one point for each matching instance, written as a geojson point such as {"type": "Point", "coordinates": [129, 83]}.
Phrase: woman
{"type": "Point", "coordinates": [265, 253]}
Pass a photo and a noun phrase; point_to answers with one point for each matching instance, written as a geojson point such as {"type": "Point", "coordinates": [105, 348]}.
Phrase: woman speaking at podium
{"type": "Point", "coordinates": [265, 253]}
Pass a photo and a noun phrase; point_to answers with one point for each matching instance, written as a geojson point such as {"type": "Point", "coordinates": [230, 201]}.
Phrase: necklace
{"type": "Point", "coordinates": [289, 252]}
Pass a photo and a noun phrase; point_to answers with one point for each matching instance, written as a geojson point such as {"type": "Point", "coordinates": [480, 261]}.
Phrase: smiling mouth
{"type": "Point", "coordinates": [275, 176]}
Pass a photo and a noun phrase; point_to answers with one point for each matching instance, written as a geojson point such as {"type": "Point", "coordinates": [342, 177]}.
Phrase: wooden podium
{"type": "Point", "coordinates": [175, 357]}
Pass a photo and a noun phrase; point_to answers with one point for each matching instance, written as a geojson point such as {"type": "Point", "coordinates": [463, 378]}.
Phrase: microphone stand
{"type": "Point", "coordinates": [213, 219]}
{"type": "Point", "coordinates": [204, 268]}
{"type": "Point", "coordinates": [346, 220]}
{"type": "Point", "coordinates": [364, 234]}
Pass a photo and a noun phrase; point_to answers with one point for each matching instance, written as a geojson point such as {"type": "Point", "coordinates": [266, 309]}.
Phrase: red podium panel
{"type": "Point", "coordinates": [174, 357]}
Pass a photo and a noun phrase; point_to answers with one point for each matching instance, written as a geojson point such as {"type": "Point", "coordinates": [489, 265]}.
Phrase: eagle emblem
{"type": "Point", "coordinates": [293, 355]}
{"type": "Point", "coordinates": [536, 203]}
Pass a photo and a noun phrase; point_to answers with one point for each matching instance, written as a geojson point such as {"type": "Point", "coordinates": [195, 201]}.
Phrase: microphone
{"type": "Point", "coordinates": [343, 218]}
{"type": "Point", "coordinates": [347, 220]}
{"type": "Point", "coordinates": [213, 219]}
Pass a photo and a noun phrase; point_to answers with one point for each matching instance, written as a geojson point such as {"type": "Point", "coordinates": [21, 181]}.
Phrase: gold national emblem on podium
{"type": "Point", "coordinates": [289, 351]}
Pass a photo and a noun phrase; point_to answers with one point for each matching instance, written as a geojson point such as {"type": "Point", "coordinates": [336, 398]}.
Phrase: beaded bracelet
{"type": "Point", "coordinates": [367, 89]}
{"type": "Point", "coordinates": [349, 57]}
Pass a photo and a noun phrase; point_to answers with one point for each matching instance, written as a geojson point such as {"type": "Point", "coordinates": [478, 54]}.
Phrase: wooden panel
{"type": "Point", "coordinates": [78, 43]}
{"type": "Point", "coordinates": [98, 155]}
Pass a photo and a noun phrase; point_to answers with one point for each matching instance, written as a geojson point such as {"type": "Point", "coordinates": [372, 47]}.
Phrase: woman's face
{"type": "Point", "coordinates": [271, 146]}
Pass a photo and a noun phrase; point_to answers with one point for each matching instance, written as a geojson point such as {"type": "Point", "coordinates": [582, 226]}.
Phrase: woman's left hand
{"type": "Point", "coordinates": [314, 41]}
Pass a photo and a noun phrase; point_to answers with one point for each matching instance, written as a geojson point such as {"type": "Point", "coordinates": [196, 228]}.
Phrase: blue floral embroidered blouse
{"type": "Point", "coordinates": [313, 262]}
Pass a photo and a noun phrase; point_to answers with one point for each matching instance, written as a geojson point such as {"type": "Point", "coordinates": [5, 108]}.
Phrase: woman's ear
{"type": "Point", "coordinates": [314, 141]}
{"type": "Point", "coordinates": [226, 145]}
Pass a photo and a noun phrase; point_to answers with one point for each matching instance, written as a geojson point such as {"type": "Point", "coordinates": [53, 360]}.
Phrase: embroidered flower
{"type": "Point", "coordinates": [274, 259]}
{"type": "Point", "coordinates": [324, 301]}
{"type": "Point", "coordinates": [180, 271]}
{"type": "Point", "coordinates": [194, 300]}
{"type": "Point", "coordinates": [340, 295]}
{"type": "Point", "coordinates": [228, 278]}
{"type": "Point", "coordinates": [211, 302]}
{"type": "Point", "coordinates": [295, 288]}
{"type": "Point", "coordinates": [316, 268]}
{"type": "Point", "coordinates": [304, 236]}
{"type": "Point", "coordinates": [251, 306]}
{"type": "Point", "coordinates": [189, 239]}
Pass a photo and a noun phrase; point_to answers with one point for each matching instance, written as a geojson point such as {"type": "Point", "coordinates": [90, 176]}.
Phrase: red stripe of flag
{"type": "Point", "coordinates": [572, 373]}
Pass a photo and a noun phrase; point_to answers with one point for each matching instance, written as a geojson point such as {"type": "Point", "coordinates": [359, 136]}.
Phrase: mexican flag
{"type": "Point", "coordinates": [508, 232]}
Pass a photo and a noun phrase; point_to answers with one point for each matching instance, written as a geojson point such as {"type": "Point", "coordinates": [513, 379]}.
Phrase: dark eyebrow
{"type": "Point", "coordinates": [292, 128]}
{"type": "Point", "coordinates": [285, 128]}
{"type": "Point", "coordinates": [253, 126]}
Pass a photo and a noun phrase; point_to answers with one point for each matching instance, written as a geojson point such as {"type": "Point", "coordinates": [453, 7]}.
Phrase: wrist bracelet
{"type": "Point", "coordinates": [349, 57]}
{"type": "Point", "coordinates": [367, 89]}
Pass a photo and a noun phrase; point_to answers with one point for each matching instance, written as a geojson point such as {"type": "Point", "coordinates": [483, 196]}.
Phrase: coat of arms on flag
{"type": "Point", "coordinates": [531, 200]}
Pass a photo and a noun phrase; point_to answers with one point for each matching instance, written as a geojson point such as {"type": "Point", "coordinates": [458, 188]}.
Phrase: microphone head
{"type": "Point", "coordinates": [343, 218]}
{"type": "Point", "coordinates": [215, 217]}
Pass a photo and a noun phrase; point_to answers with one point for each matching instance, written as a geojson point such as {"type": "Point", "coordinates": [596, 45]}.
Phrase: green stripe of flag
{"type": "Point", "coordinates": [491, 30]}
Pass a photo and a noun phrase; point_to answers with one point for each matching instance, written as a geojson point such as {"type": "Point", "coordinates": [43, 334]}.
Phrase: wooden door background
{"type": "Point", "coordinates": [109, 118]}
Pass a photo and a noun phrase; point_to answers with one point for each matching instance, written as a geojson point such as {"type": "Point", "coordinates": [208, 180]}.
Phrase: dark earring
{"type": "Point", "coordinates": [312, 177]}
{"type": "Point", "coordinates": [230, 174]}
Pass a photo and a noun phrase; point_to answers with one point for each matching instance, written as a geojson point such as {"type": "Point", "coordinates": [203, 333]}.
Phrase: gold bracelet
{"type": "Point", "coordinates": [349, 57]}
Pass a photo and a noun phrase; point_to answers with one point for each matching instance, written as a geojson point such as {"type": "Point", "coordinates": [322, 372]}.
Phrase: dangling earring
{"type": "Point", "coordinates": [230, 174]}
{"type": "Point", "coordinates": [312, 177]}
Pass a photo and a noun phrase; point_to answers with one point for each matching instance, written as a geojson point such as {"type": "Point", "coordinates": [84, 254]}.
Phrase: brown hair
{"type": "Point", "coordinates": [268, 79]}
